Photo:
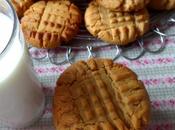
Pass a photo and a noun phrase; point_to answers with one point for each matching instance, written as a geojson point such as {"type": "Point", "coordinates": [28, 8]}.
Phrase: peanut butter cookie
{"type": "Point", "coordinates": [21, 6]}
{"type": "Point", "coordinates": [115, 27]}
{"type": "Point", "coordinates": [162, 4]}
{"type": "Point", "coordinates": [46, 24]}
{"type": "Point", "coordinates": [100, 95]}
{"type": "Point", "coordinates": [123, 5]}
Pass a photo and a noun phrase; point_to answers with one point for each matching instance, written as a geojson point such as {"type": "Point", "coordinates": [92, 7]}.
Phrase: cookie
{"type": "Point", "coordinates": [100, 95]}
{"type": "Point", "coordinates": [115, 27]}
{"type": "Point", "coordinates": [162, 4]}
{"type": "Point", "coordinates": [47, 24]}
{"type": "Point", "coordinates": [21, 6]}
{"type": "Point", "coordinates": [123, 5]}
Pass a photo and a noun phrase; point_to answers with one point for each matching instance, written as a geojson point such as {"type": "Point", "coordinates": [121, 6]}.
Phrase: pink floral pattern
{"type": "Point", "coordinates": [154, 82]}
{"type": "Point", "coordinates": [157, 81]}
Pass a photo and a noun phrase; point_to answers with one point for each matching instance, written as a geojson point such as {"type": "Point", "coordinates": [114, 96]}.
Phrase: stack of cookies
{"type": "Point", "coordinates": [117, 21]}
{"type": "Point", "coordinates": [48, 23]}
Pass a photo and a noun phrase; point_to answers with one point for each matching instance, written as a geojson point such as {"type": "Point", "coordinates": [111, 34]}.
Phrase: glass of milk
{"type": "Point", "coordinates": [21, 97]}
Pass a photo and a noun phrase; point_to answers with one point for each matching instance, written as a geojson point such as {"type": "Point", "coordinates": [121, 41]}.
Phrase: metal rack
{"type": "Point", "coordinates": [91, 46]}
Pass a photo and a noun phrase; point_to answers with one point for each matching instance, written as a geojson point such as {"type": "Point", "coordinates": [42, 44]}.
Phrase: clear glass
{"type": "Point", "coordinates": [21, 97]}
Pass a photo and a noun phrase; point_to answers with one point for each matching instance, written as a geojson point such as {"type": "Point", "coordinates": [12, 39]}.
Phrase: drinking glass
{"type": "Point", "coordinates": [21, 97]}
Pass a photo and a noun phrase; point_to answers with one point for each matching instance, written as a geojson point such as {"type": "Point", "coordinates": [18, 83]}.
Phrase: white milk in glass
{"type": "Point", "coordinates": [21, 98]}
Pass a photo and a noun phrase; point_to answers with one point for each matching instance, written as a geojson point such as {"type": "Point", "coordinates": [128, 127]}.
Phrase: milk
{"type": "Point", "coordinates": [21, 98]}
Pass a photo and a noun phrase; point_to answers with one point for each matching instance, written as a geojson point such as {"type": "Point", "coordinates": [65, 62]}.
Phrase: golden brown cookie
{"type": "Point", "coordinates": [123, 5]}
{"type": "Point", "coordinates": [115, 27]}
{"type": "Point", "coordinates": [21, 6]}
{"type": "Point", "coordinates": [46, 24]}
{"type": "Point", "coordinates": [100, 95]}
{"type": "Point", "coordinates": [162, 4]}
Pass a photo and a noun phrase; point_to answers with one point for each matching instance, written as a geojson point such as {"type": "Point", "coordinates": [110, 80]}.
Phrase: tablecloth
{"type": "Point", "coordinates": [157, 71]}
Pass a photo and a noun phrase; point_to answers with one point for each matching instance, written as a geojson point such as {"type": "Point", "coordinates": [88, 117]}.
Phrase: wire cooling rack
{"type": "Point", "coordinates": [160, 23]}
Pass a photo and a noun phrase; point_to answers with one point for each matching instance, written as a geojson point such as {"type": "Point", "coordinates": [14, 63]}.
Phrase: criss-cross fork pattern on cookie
{"type": "Point", "coordinates": [124, 5]}
{"type": "Point", "coordinates": [100, 95]}
{"type": "Point", "coordinates": [46, 24]}
{"type": "Point", "coordinates": [115, 27]}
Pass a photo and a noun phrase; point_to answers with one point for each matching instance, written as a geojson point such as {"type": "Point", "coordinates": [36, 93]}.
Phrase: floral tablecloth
{"type": "Point", "coordinates": [157, 71]}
